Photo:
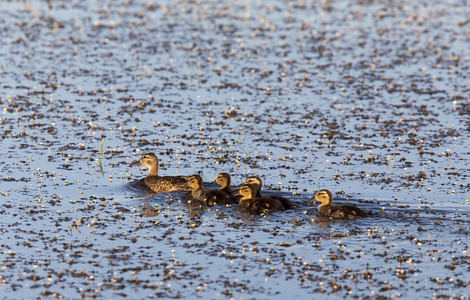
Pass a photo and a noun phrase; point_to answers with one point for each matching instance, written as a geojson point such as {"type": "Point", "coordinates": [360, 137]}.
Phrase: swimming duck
{"type": "Point", "coordinates": [159, 184]}
{"type": "Point", "coordinates": [262, 204]}
{"type": "Point", "coordinates": [223, 179]}
{"type": "Point", "coordinates": [256, 181]}
{"type": "Point", "coordinates": [207, 196]}
{"type": "Point", "coordinates": [345, 211]}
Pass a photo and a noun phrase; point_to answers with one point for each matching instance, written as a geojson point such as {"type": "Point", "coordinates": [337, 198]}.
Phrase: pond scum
{"type": "Point", "coordinates": [367, 99]}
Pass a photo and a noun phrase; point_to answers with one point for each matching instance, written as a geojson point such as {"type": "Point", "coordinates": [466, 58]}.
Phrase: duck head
{"type": "Point", "coordinates": [324, 196]}
{"type": "Point", "coordinates": [223, 179]}
{"type": "Point", "coordinates": [148, 160]}
{"type": "Point", "coordinates": [247, 191]}
{"type": "Point", "coordinates": [195, 181]}
{"type": "Point", "coordinates": [256, 182]}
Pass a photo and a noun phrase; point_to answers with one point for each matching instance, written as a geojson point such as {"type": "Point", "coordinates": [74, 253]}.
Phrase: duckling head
{"type": "Point", "coordinates": [254, 181]}
{"type": "Point", "coordinates": [223, 179]}
{"type": "Point", "coordinates": [247, 191]}
{"type": "Point", "coordinates": [324, 196]}
{"type": "Point", "coordinates": [195, 181]}
{"type": "Point", "coordinates": [148, 160]}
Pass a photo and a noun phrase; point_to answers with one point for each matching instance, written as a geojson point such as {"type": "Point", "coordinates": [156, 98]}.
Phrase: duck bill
{"type": "Point", "coordinates": [313, 200]}
{"type": "Point", "coordinates": [135, 163]}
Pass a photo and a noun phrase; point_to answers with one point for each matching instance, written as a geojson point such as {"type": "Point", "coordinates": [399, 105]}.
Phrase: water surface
{"type": "Point", "coordinates": [366, 98]}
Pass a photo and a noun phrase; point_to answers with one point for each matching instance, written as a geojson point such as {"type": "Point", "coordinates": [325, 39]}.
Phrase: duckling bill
{"type": "Point", "coordinates": [263, 204]}
{"type": "Point", "coordinates": [343, 211]}
{"type": "Point", "coordinates": [157, 183]}
{"type": "Point", "coordinates": [207, 196]}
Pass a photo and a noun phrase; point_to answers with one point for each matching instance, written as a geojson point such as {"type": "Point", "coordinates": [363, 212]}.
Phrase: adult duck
{"type": "Point", "coordinates": [157, 183]}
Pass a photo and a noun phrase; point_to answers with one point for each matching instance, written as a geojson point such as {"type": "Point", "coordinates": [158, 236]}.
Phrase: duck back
{"type": "Point", "coordinates": [266, 204]}
{"type": "Point", "coordinates": [347, 212]}
{"type": "Point", "coordinates": [211, 197]}
{"type": "Point", "coordinates": [163, 184]}
{"type": "Point", "coordinates": [286, 203]}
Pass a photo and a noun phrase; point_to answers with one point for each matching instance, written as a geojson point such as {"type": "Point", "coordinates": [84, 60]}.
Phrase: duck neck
{"type": "Point", "coordinates": [196, 193]}
{"type": "Point", "coordinates": [324, 208]}
{"type": "Point", "coordinates": [153, 170]}
{"type": "Point", "coordinates": [258, 192]}
{"type": "Point", "coordinates": [244, 202]}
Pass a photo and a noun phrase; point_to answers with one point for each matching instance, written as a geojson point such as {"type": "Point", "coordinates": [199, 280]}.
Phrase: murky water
{"type": "Point", "coordinates": [369, 99]}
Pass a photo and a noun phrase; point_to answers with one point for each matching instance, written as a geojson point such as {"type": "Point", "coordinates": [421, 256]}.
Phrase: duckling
{"type": "Point", "coordinates": [263, 204]}
{"type": "Point", "coordinates": [159, 184]}
{"type": "Point", "coordinates": [257, 183]}
{"type": "Point", "coordinates": [208, 197]}
{"type": "Point", "coordinates": [344, 211]}
{"type": "Point", "coordinates": [223, 179]}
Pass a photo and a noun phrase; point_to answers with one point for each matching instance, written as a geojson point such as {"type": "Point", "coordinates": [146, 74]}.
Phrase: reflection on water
{"type": "Point", "coordinates": [365, 99]}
